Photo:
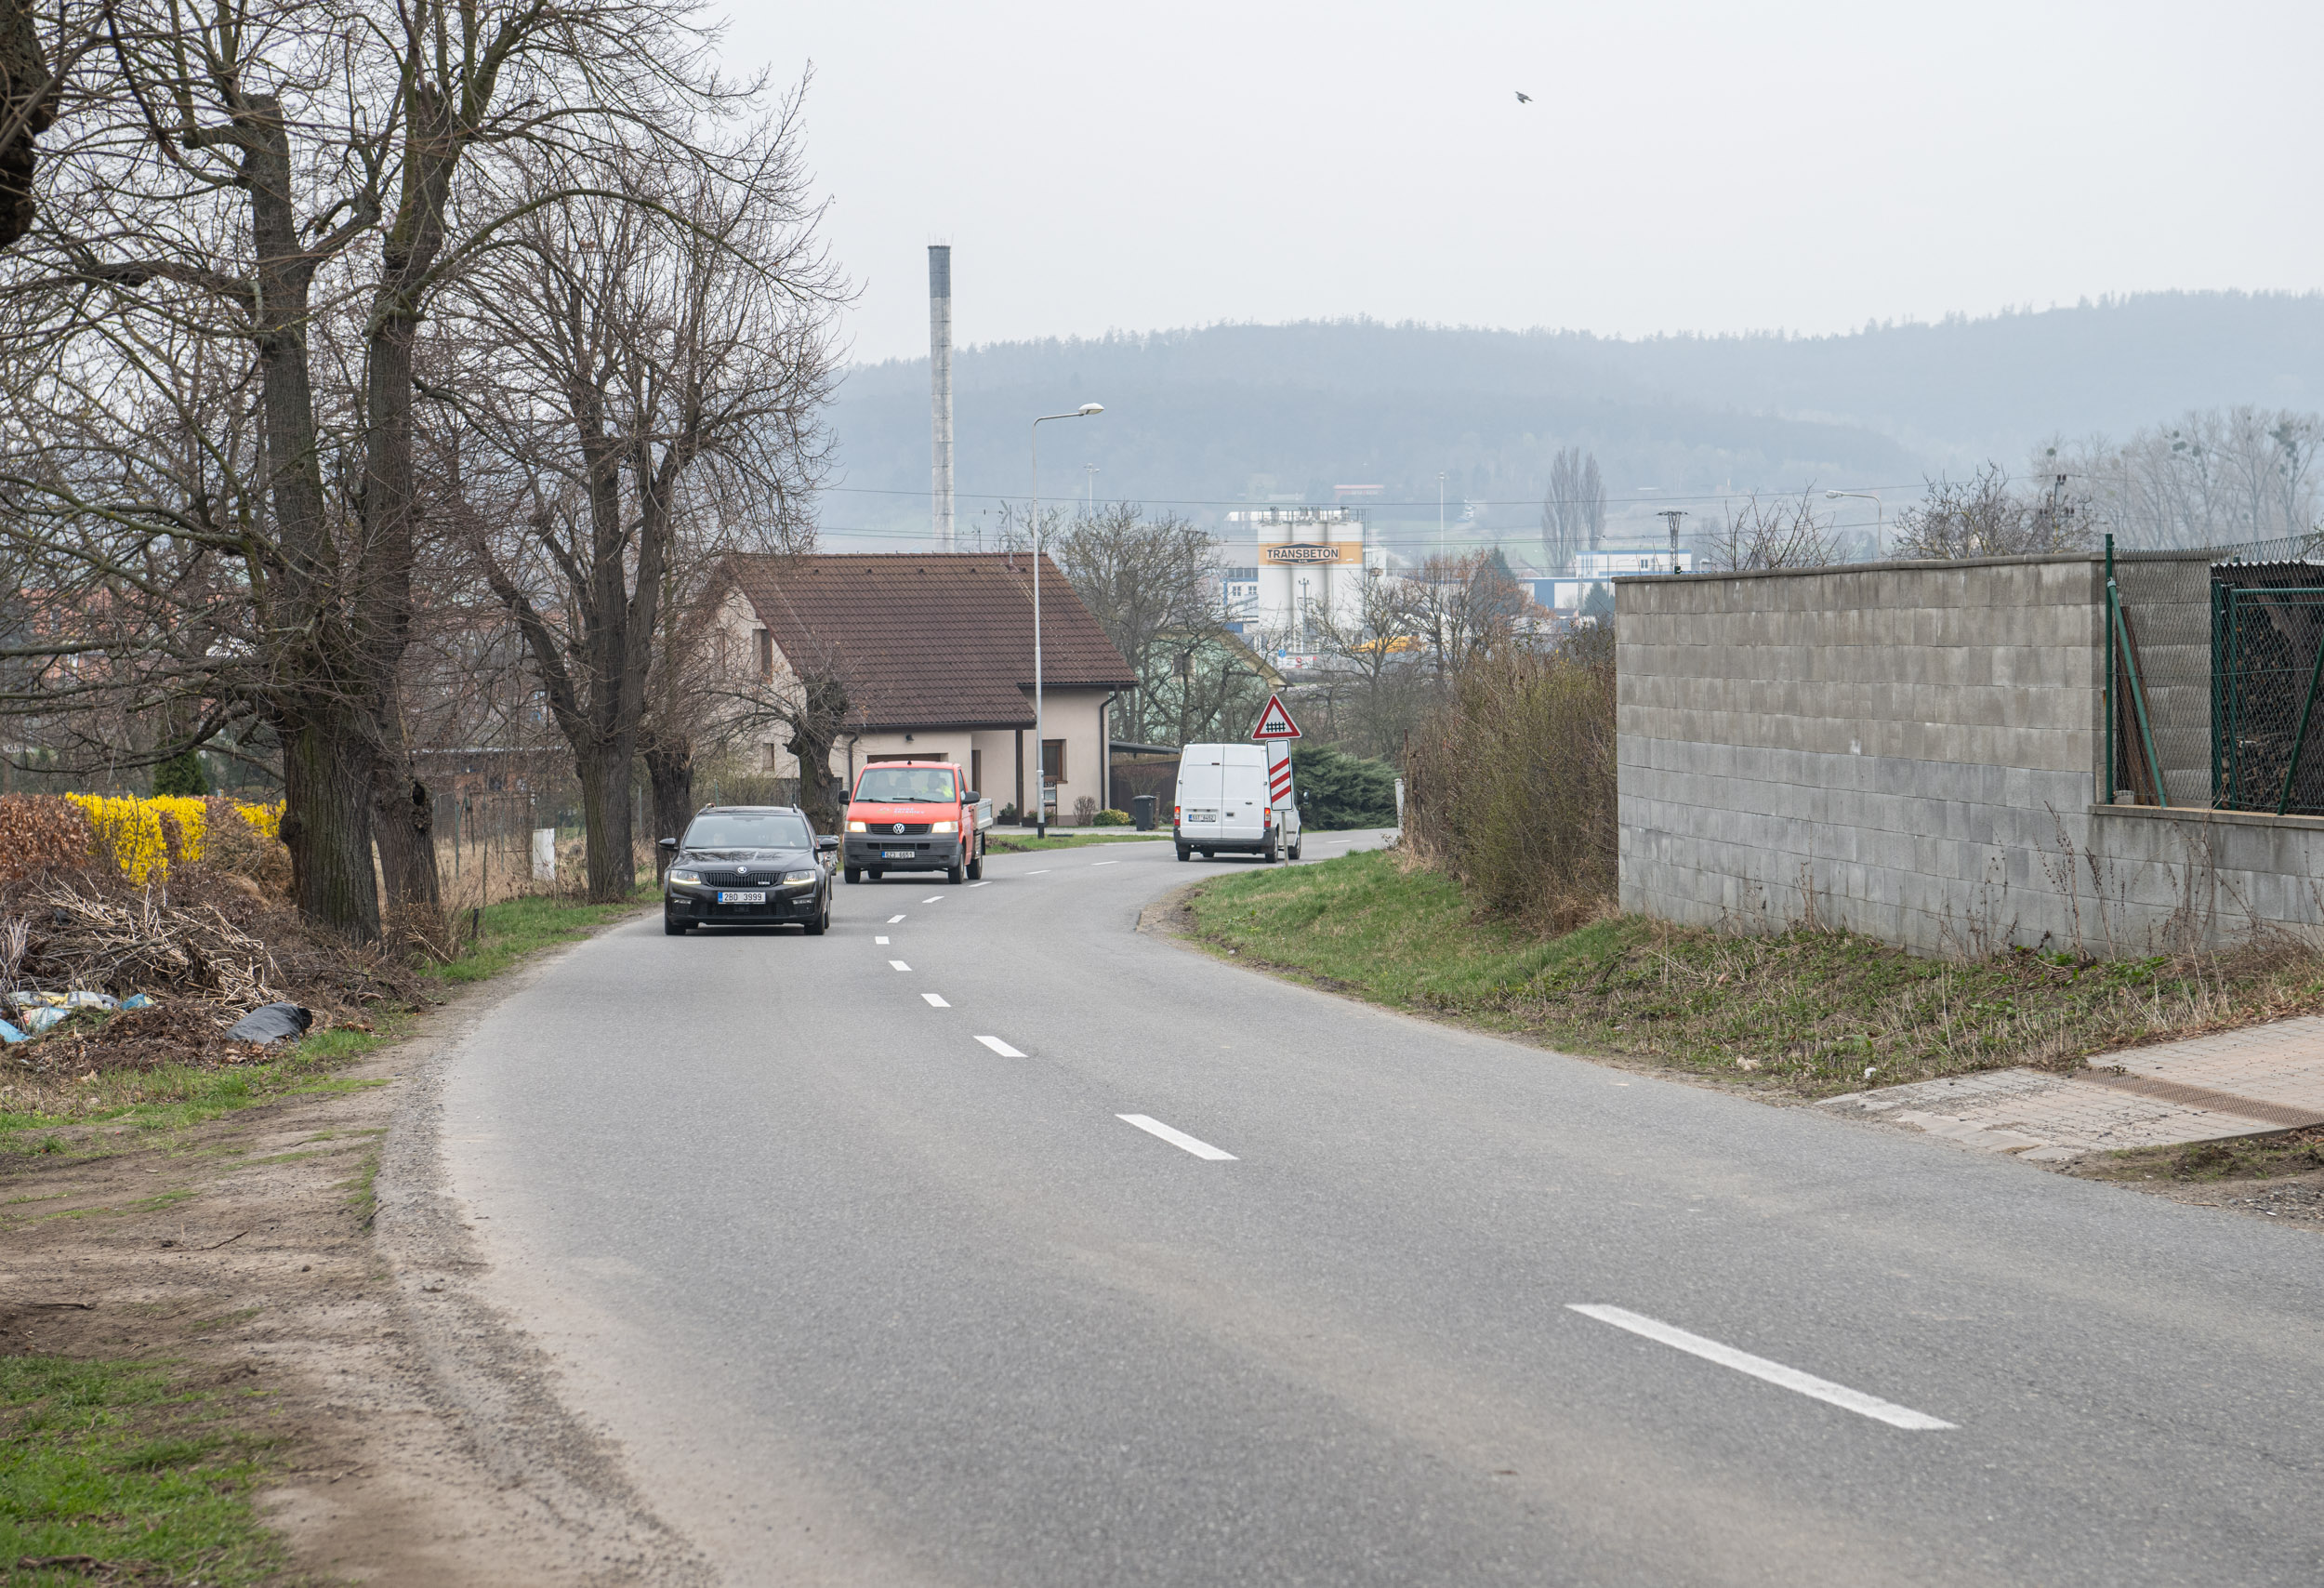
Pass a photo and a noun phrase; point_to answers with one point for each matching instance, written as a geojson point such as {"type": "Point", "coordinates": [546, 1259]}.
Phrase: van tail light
{"type": "Point", "coordinates": [1267, 819]}
{"type": "Point", "coordinates": [1176, 813]}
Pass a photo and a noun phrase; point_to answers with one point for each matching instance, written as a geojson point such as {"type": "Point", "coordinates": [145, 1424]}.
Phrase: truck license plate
{"type": "Point", "coordinates": [899, 854]}
{"type": "Point", "coordinates": [751, 898]}
{"type": "Point", "coordinates": [1201, 815]}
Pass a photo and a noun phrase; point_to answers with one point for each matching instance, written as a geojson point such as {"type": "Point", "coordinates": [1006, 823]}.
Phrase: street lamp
{"type": "Point", "coordinates": [1880, 519]}
{"type": "Point", "coordinates": [1040, 745]}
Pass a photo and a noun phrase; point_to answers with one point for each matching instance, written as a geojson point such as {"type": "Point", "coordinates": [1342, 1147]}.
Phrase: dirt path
{"type": "Point", "coordinates": [422, 1443]}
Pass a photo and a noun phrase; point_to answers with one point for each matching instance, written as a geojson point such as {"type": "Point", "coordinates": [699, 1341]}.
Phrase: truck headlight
{"type": "Point", "coordinates": [797, 879]}
{"type": "Point", "coordinates": [680, 874]}
{"type": "Point", "coordinates": [944, 826]}
{"type": "Point", "coordinates": [859, 827]}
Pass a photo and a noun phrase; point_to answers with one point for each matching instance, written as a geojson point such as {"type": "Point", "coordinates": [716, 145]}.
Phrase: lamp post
{"type": "Point", "coordinates": [1880, 519]}
{"type": "Point", "coordinates": [1040, 745]}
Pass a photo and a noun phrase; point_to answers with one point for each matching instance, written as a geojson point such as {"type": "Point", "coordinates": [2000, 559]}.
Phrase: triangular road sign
{"type": "Point", "coordinates": [1275, 722]}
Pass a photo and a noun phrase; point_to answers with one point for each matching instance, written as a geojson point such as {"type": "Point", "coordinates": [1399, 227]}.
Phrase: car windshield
{"type": "Point", "coordinates": [749, 830]}
{"type": "Point", "coordinates": [904, 785]}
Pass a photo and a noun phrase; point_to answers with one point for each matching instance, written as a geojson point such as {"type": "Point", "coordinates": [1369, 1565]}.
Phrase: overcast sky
{"type": "Point", "coordinates": [1681, 166]}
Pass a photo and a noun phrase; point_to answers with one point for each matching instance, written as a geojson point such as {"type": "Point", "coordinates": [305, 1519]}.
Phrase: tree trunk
{"type": "Point", "coordinates": [607, 779]}
{"type": "Point", "coordinates": [670, 770]}
{"type": "Point", "coordinates": [404, 821]}
{"type": "Point", "coordinates": [326, 824]}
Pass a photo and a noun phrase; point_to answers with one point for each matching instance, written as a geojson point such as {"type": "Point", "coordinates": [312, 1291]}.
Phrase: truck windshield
{"type": "Point", "coordinates": [749, 830]}
{"type": "Point", "coordinates": [904, 785]}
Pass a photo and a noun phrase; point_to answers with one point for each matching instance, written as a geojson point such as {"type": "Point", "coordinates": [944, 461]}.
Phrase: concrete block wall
{"type": "Point", "coordinates": [1913, 751]}
{"type": "Point", "coordinates": [2167, 595]}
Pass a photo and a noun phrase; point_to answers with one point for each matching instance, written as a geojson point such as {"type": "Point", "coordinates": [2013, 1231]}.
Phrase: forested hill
{"type": "Point", "coordinates": [1227, 414]}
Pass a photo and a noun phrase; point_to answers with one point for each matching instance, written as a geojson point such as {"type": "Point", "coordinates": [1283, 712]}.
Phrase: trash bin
{"type": "Point", "coordinates": [1141, 812]}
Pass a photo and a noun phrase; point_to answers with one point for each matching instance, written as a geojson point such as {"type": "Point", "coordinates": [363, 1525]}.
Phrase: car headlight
{"type": "Point", "coordinates": [858, 827]}
{"type": "Point", "coordinates": [797, 879]}
{"type": "Point", "coordinates": [944, 826]}
{"type": "Point", "coordinates": [680, 874]}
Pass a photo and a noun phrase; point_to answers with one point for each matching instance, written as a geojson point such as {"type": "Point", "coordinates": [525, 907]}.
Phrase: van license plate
{"type": "Point", "coordinates": [753, 898]}
{"type": "Point", "coordinates": [1201, 815]}
{"type": "Point", "coordinates": [899, 854]}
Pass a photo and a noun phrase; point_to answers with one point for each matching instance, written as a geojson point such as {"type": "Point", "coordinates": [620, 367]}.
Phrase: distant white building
{"type": "Point", "coordinates": [1311, 564]}
{"type": "Point", "coordinates": [1592, 569]}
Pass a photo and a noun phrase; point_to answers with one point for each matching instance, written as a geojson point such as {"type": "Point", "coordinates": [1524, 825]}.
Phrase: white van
{"type": "Point", "coordinates": [1222, 806]}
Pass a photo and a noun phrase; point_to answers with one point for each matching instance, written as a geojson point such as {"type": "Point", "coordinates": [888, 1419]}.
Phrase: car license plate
{"type": "Point", "coordinates": [1201, 815]}
{"type": "Point", "coordinates": [726, 897]}
{"type": "Point", "coordinates": [899, 854]}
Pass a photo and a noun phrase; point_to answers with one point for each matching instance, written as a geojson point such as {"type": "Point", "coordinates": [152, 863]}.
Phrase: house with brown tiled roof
{"type": "Point", "coordinates": [935, 651]}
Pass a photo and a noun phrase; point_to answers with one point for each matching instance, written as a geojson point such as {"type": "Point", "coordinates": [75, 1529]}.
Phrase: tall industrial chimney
{"type": "Point", "coordinates": [940, 390]}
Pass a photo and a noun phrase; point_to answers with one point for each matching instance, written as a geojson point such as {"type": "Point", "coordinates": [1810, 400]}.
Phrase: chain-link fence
{"type": "Point", "coordinates": [2214, 658]}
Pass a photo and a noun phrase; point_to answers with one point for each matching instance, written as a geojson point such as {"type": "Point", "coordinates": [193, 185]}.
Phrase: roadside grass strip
{"type": "Point", "coordinates": [1809, 1011]}
{"type": "Point", "coordinates": [1154, 1127]}
{"type": "Point", "coordinates": [935, 1000]}
{"type": "Point", "coordinates": [1808, 1385]}
{"type": "Point", "coordinates": [125, 1472]}
{"type": "Point", "coordinates": [1003, 1049]}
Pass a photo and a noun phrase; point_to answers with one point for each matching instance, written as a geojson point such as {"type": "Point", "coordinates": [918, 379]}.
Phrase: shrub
{"type": "Point", "coordinates": [41, 830]}
{"type": "Point", "coordinates": [1510, 785]}
{"type": "Point", "coordinates": [1337, 791]}
{"type": "Point", "coordinates": [128, 833]}
{"type": "Point", "coordinates": [181, 775]}
{"type": "Point", "coordinates": [1110, 818]}
{"type": "Point", "coordinates": [239, 838]}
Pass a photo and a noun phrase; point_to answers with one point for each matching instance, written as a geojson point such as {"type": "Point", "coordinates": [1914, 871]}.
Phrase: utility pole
{"type": "Point", "coordinates": [1672, 516]}
{"type": "Point", "coordinates": [1440, 524]}
{"type": "Point", "coordinates": [1091, 510]}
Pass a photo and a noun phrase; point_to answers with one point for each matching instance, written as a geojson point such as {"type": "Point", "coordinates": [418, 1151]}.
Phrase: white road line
{"type": "Point", "coordinates": [1176, 1138]}
{"type": "Point", "coordinates": [894, 918]}
{"type": "Point", "coordinates": [1105, 863]}
{"type": "Point", "coordinates": [1003, 1049]}
{"type": "Point", "coordinates": [880, 941]}
{"type": "Point", "coordinates": [1760, 1368]}
{"type": "Point", "coordinates": [934, 1001]}
{"type": "Point", "coordinates": [899, 964]}
{"type": "Point", "coordinates": [937, 900]}
{"type": "Point", "coordinates": [983, 885]}
{"type": "Point", "coordinates": [1042, 872]}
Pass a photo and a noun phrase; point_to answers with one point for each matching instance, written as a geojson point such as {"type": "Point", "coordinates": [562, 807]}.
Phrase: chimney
{"type": "Point", "coordinates": [940, 390]}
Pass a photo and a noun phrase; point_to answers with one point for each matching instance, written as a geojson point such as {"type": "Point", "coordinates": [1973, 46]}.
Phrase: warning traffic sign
{"type": "Point", "coordinates": [1275, 722]}
{"type": "Point", "coordinates": [1279, 777]}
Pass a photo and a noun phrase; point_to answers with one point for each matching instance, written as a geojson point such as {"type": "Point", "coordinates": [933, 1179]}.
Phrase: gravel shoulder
{"type": "Point", "coordinates": [299, 1252]}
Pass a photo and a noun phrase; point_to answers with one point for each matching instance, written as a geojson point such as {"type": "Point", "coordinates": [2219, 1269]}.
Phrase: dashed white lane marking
{"type": "Point", "coordinates": [880, 941]}
{"type": "Point", "coordinates": [899, 964]}
{"type": "Point", "coordinates": [1176, 1138]}
{"type": "Point", "coordinates": [1760, 1368]}
{"type": "Point", "coordinates": [1042, 872]}
{"type": "Point", "coordinates": [934, 1001]}
{"type": "Point", "coordinates": [1105, 863]}
{"type": "Point", "coordinates": [894, 918]}
{"type": "Point", "coordinates": [983, 885]}
{"type": "Point", "coordinates": [1003, 1049]}
{"type": "Point", "coordinates": [937, 900]}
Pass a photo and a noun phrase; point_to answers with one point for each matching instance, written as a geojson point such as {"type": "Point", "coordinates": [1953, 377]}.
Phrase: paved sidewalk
{"type": "Point", "coordinates": [2239, 1083]}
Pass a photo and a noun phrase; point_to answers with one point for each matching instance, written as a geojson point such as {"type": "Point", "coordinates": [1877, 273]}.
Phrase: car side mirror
{"type": "Point", "coordinates": [826, 843]}
{"type": "Point", "coordinates": [668, 843]}
{"type": "Point", "coordinates": [972, 798]}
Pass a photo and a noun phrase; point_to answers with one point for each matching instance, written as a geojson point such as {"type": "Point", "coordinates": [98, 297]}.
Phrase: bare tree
{"type": "Point", "coordinates": [285, 178]}
{"type": "Point", "coordinates": [1376, 688]}
{"type": "Point", "coordinates": [1152, 584]}
{"type": "Point", "coordinates": [1573, 514]}
{"type": "Point", "coordinates": [1462, 609]}
{"type": "Point", "coordinates": [1781, 534]}
{"type": "Point", "coordinates": [650, 363]}
{"type": "Point", "coordinates": [1983, 517]}
{"type": "Point", "coordinates": [2216, 477]}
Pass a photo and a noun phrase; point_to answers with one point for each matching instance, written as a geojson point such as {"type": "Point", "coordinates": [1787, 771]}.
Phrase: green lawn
{"type": "Point", "coordinates": [126, 1464]}
{"type": "Point", "coordinates": [1812, 1011]}
{"type": "Point", "coordinates": [516, 928]}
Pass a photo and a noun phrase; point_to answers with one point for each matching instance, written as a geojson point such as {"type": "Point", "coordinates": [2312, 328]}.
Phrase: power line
{"type": "Point", "coordinates": [1634, 499]}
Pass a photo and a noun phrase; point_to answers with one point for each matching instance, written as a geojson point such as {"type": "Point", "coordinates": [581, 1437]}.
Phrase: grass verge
{"type": "Point", "coordinates": [90, 1117]}
{"type": "Point", "coordinates": [123, 1470]}
{"type": "Point", "coordinates": [1810, 1012]}
{"type": "Point", "coordinates": [996, 843]}
{"type": "Point", "coordinates": [2237, 1158]}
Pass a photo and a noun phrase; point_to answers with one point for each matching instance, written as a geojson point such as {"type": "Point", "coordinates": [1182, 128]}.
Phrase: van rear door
{"type": "Point", "coordinates": [1242, 793]}
{"type": "Point", "coordinates": [1200, 784]}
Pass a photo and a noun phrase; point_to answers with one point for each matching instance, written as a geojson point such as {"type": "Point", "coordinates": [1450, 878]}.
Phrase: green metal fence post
{"type": "Point", "coordinates": [2106, 792]}
{"type": "Point", "coordinates": [2300, 738]}
{"type": "Point", "coordinates": [2138, 698]}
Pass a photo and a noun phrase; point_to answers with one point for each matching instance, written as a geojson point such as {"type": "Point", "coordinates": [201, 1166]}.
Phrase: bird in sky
{"type": "Point", "coordinates": [1524, 98]}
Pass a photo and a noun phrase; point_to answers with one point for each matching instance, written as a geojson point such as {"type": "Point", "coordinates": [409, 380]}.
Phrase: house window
{"type": "Point", "coordinates": [766, 653]}
{"type": "Point", "coordinates": [774, 764]}
{"type": "Point", "coordinates": [1053, 761]}
{"type": "Point", "coordinates": [976, 770]}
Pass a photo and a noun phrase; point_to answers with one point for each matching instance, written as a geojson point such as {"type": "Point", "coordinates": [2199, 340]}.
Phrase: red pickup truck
{"type": "Point", "coordinates": [914, 815]}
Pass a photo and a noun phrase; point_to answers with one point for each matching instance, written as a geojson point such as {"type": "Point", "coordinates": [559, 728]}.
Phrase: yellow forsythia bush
{"type": "Point", "coordinates": [131, 833]}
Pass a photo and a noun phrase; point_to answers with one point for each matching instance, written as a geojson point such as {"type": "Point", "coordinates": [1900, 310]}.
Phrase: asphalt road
{"type": "Point", "coordinates": [848, 1242]}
